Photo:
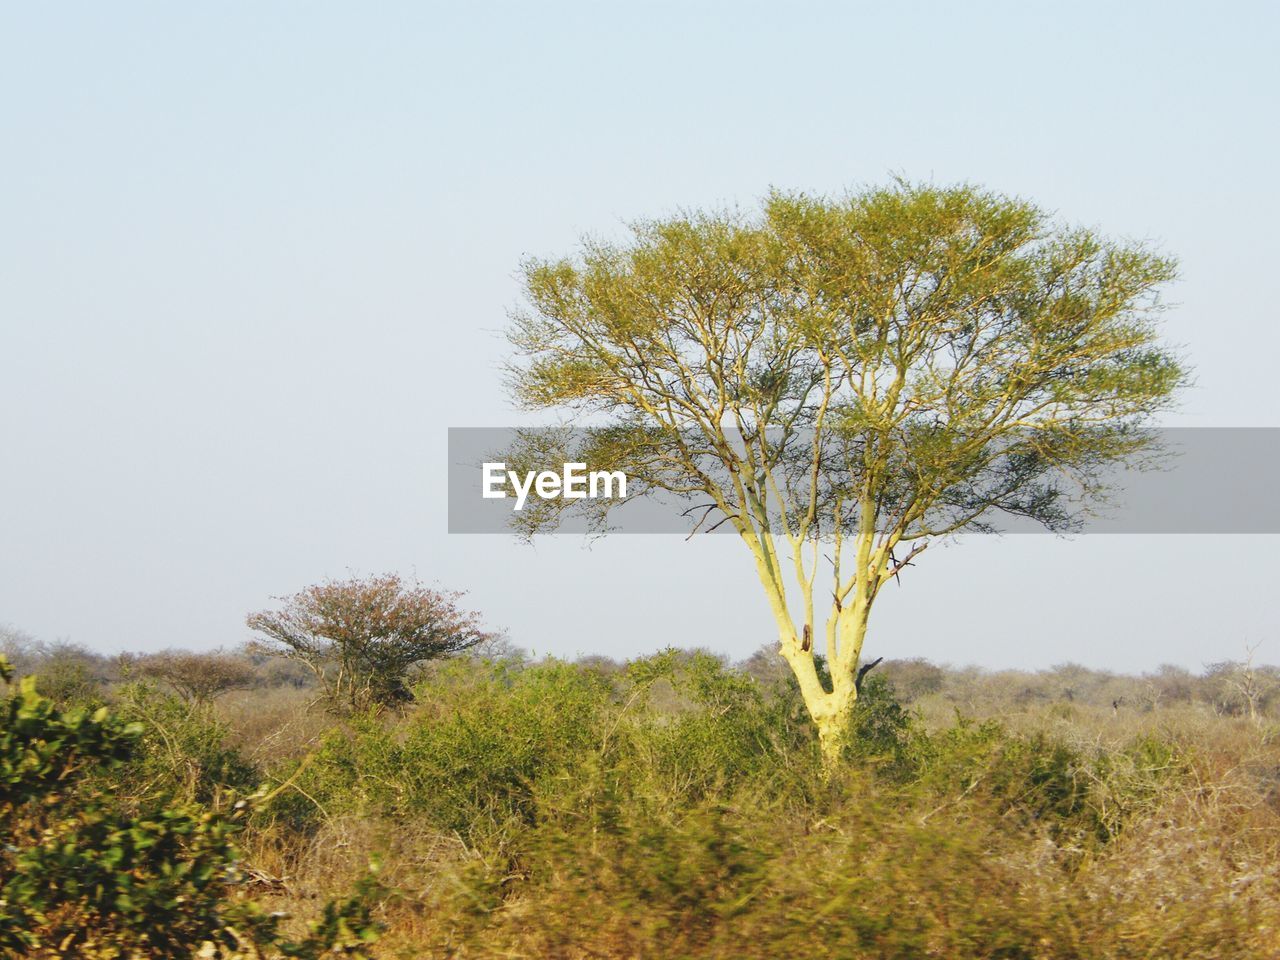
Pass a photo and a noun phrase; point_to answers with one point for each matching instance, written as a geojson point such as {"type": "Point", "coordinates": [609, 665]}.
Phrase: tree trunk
{"type": "Point", "coordinates": [832, 731]}
{"type": "Point", "coordinates": [831, 715]}
{"type": "Point", "coordinates": [830, 710]}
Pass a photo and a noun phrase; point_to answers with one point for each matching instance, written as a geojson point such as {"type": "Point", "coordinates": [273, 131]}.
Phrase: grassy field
{"type": "Point", "coordinates": [675, 806]}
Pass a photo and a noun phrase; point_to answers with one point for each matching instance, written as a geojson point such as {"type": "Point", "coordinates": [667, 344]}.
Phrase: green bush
{"type": "Point", "coordinates": [468, 758]}
{"type": "Point", "coordinates": [1078, 797]}
{"type": "Point", "coordinates": [491, 744]}
{"type": "Point", "coordinates": [722, 731]}
{"type": "Point", "coordinates": [183, 752]}
{"type": "Point", "coordinates": [882, 731]}
{"type": "Point", "coordinates": [81, 876]}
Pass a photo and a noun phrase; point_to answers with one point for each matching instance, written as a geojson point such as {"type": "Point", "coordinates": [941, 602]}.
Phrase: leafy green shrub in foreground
{"type": "Point", "coordinates": [80, 877]}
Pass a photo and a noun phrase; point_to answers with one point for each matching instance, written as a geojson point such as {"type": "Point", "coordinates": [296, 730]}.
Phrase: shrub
{"type": "Point", "coordinates": [183, 751]}
{"type": "Point", "coordinates": [721, 730]}
{"type": "Point", "coordinates": [360, 638]}
{"type": "Point", "coordinates": [70, 675]}
{"type": "Point", "coordinates": [81, 877]}
{"type": "Point", "coordinates": [196, 677]}
{"type": "Point", "coordinates": [881, 731]}
{"type": "Point", "coordinates": [477, 762]}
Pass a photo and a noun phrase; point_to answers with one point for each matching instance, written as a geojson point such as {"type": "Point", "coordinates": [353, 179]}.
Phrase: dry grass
{"type": "Point", "coordinates": [550, 811]}
{"type": "Point", "coordinates": [868, 870]}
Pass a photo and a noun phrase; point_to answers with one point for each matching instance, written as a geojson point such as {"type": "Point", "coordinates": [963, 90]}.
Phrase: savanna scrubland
{"type": "Point", "coordinates": [836, 379]}
{"type": "Point", "coordinates": [675, 805]}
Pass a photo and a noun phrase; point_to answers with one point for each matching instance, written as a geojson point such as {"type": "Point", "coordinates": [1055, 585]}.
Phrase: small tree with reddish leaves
{"type": "Point", "coordinates": [361, 637]}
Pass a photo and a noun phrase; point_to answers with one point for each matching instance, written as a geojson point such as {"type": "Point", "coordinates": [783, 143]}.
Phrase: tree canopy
{"type": "Point", "coordinates": [361, 637]}
{"type": "Point", "coordinates": [844, 378]}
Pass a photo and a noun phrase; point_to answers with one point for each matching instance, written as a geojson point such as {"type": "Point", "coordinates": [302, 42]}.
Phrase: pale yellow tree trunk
{"type": "Point", "coordinates": [832, 709]}
{"type": "Point", "coordinates": [831, 719]}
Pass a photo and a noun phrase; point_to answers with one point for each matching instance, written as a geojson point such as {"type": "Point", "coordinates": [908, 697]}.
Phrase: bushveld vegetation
{"type": "Point", "coordinates": [670, 806]}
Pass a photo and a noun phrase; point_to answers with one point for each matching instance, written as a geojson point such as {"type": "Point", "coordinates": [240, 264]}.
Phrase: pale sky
{"type": "Point", "coordinates": [255, 258]}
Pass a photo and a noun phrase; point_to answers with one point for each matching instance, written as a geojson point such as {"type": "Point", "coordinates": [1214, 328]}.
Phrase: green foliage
{"type": "Point", "coordinates": [1133, 782]}
{"type": "Point", "coordinates": [725, 730]}
{"type": "Point", "coordinates": [468, 759]}
{"type": "Point", "coordinates": [184, 752]}
{"type": "Point", "coordinates": [881, 730]}
{"type": "Point", "coordinates": [99, 883]}
{"type": "Point", "coordinates": [853, 374]}
{"type": "Point", "coordinates": [83, 875]}
{"type": "Point", "coordinates": [491, 742]}
{"type": "Point", "coordinates": [703, 826]}
{"type": "Point", "coordinates": [1077, 796]}
{"type": "Point", "coordinates": [671, 807]}
{"type": "Point", "coordinates": [42, 747]}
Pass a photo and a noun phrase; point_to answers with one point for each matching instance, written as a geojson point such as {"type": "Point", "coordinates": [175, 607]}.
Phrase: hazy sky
{"type": "Point", "coordinates": [255, 258]}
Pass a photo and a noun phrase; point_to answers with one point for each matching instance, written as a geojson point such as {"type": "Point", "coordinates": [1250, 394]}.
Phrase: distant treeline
{"type": "Point", "coordinates": [1229, 688]}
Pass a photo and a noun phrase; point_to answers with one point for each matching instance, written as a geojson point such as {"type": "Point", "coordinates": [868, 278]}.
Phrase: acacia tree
{"type": "Point", "coordinates": [840, 380]}
{"type": "Point", "coordinates": [199, 678]}
{"type": "Point", "coordinates": [360, 637]}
